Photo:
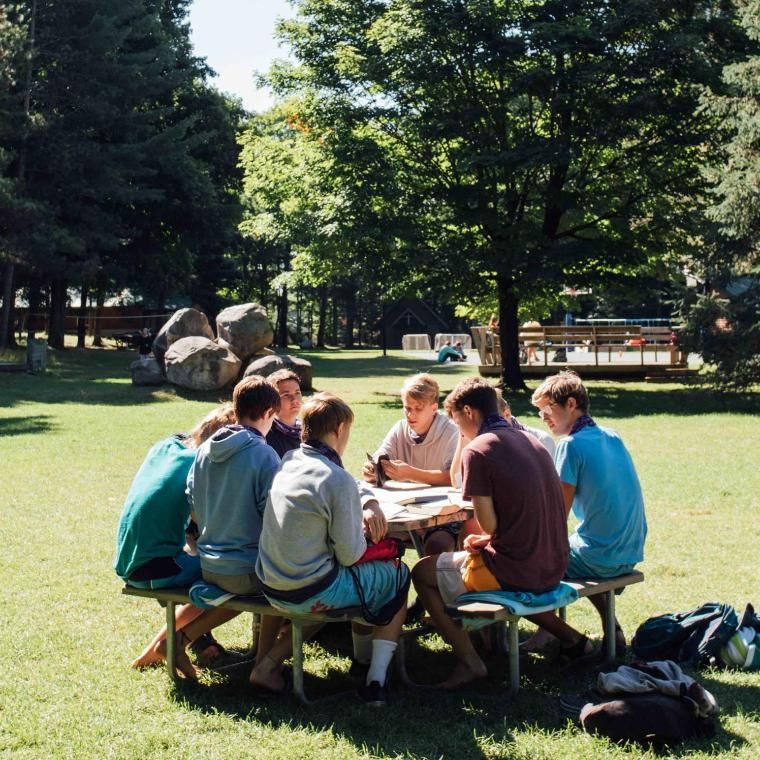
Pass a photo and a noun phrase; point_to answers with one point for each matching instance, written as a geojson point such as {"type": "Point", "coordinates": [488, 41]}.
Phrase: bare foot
{"type": "Point", "coordinates": [148, 658]}
{"type": "Point", "coordinates": [540, 642]}
{"type": "Point", "coordinates": [267, 675]}
{"type": "Point", "coordinates": [463, 674]}
{"type": "Point", "coordinates": [183, 663]}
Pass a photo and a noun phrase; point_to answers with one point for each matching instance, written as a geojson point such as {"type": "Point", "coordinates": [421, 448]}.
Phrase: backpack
{"type": "Point", "coordinates": [695, 638]}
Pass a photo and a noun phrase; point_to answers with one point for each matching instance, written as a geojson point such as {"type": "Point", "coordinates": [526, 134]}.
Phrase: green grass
{"type": "Point", "coordinates": [71, 440]}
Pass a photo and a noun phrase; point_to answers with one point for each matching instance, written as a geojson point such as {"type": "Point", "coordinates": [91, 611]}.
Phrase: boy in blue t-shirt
{"type": "Point", "coordinates": [599, 484]}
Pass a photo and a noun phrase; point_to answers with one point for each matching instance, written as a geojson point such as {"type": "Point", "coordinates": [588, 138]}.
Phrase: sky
{"type": "Point", "coordinates": [236, 37]}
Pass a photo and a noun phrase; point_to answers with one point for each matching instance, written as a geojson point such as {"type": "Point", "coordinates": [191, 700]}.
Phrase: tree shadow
{"type": "Point", "coordinates": [41, 423]}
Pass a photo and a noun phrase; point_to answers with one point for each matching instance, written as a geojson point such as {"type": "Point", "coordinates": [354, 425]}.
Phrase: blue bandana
{"type": "Point", "coordinates": [493, 422]}
{"type": "Point", "coordinates": [582, 422]}
{"type": "Point", "coordinates": [315, 446]}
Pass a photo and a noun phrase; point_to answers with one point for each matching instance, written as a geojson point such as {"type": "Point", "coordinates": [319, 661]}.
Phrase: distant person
{"type": "Point", "coordinates": [151, 550]}
{"type": "Point", "coordinates": [145, 343]}
{"type": "Point", "coordinates": [316, 532]}
{"type": "Point", "coordinates": [448, 353]}
{"type": "Point", "coordinates": [460, 350]}
{"type": "Point", "coordinates": [517, 500]}
{"type": "Point", "coordinates": [532, 341]}
{"type": "Point", "coordinates": [569, 322]}
{"type": "Point", "coordinates": [599, 484]}
{"type": "Point", "coordinates": [285, 434]}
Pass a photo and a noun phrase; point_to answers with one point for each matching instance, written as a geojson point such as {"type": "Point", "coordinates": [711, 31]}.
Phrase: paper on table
{"type": "Point", "coordinates": [403, 485]}
{"type": "Point", "coordinates": [414, 496]}
{"type": "Point", "coordinates": [391, 510]}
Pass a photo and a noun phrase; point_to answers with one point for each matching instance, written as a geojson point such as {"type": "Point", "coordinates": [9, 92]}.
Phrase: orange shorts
{"type": "Point", "coordinates": [476, 576]}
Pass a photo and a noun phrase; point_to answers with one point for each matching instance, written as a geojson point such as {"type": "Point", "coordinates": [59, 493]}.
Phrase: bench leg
{"type": "Point", "coordinates": [297, 632]}
{"type": "Point", "coordinates": [609, 626]}
{"type": "Point", "coordinates": [417, 543]}
{"type": "Point", "coordinates": [563, 614]}
{"type": "Point", "coordinates": [171, 643]}
{"type": "Point", "coordinates": [514, 657]}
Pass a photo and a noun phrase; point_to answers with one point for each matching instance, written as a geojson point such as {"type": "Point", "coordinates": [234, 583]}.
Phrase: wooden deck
{"type": "Point", "coordinates": [630, 351]}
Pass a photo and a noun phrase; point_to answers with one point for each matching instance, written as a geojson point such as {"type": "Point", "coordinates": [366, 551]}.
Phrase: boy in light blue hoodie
{"type": "Point", "coordinates": [228, 486]}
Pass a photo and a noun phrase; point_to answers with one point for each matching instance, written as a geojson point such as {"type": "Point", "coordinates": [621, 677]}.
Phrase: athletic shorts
{"type": "Point", "coordinates": [245, 584]}
{"type": "Point", "coordinates": [460, 572]}
{"type": "Point", "coordinates": [383, 585]}
{"type": "Point", "coordinates": [189, 572]}
{"type": "Point", "coordinates": [579, 566]}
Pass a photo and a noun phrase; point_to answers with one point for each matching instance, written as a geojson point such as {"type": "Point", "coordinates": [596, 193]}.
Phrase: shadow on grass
{"type": "Point", "coordinates": [41, 423]}
{"type": "Point", "coordinates": [427, 722]}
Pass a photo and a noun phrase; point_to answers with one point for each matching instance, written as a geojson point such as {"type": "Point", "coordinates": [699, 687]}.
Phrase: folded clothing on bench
{"type": "Point", "coordinates": [207, 595]}
{"type": "Point", "coordinates": [524, 602]}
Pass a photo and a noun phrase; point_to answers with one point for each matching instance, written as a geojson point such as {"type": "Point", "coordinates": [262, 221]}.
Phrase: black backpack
{"type": "Point", "coordinates": [694, 638]}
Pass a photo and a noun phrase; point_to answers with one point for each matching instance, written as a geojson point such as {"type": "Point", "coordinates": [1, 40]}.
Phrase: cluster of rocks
{"type": "Point", "coordinates": [186, 353]}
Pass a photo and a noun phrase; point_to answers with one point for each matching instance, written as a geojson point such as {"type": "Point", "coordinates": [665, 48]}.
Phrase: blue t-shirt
{"type": "Point", "coordinates": [608, 500]}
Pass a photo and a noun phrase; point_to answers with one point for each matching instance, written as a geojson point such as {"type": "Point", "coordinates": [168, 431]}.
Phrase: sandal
{"type": "Point", "coordinates": [579, 651]}
{"type": "Point", "coordinates": [207, 650]}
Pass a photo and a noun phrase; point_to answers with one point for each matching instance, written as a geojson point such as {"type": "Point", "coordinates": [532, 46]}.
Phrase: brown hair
{"type": "Point", "coordinates": [502, 403]}
{"type": "Point", "coordinates": [253, 396]}
{"type": "Point", "coordinates": [281, 376]}
{"type": "Point", "coordinates": [215, 419]}
{"type": "Point", "coordinates": [474, 392]}
{"type": "Point", "coordinates": [422, 387]}
{"type": "Point", "coordinates": [322, 414]}
{"type": "Point", "coordinates": [559, 388]}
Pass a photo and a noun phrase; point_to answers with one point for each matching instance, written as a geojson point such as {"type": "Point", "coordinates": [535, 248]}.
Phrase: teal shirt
{"type": "Point", "coordinates": [608, 500]}
{"type": "Point", "coordinates": [156, 511]}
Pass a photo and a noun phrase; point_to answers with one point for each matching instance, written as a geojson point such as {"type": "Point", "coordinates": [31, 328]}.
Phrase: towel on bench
{"type": "Point", "coordinates": [207, 595]}
{"type": "Point", "coordinates": [524, 602]}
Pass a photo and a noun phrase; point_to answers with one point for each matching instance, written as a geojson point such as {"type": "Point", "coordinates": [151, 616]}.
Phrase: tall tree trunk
{"type": "Point", "coordinates": [334, 332]}
{"type": "Point", "coordinates": [9, 298]}
{"type": "Point", "coordinates": [511, 377]}
{"type": "Point", "coordinates": [350, 317]}
{"type": "Point", "coordinates": [100, 299]}
{"type": "Point", "coordinates": [35, 297]}
{"type": "Point", "coordinates": [322, 330]}
{"type": "Point", "coordinates": [282, 318]}
{"type": "Point", "coordinates": [57, 313]}
{"type": "Point", "coordinates": [82, 320]}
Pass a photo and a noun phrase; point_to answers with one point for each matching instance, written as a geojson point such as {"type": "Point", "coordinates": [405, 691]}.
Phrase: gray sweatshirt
{"type": "Point", "coordinates": [312, 520]}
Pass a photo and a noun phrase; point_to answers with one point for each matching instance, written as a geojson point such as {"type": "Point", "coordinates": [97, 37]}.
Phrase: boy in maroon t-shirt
{"type": "Point", "coordinates": [518, 502]}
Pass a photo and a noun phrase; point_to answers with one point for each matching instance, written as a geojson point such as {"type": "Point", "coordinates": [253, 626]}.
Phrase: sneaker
{"type": "Point", "coordinates": [373, 694]}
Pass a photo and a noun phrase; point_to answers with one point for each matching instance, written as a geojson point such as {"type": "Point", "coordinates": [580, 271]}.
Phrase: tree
{"type": "Point", "coordinates": [723, 322]}
{"type": "Point", "coordinates": [545, 142]}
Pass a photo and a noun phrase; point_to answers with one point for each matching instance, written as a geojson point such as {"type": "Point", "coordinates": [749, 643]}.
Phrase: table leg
{"type": "Point", "coordinates": [171, 642]}
{"type": "Point", "coordinates": [609, 626]}
{"type": "Point", "coordinates": [514, 656]}
{"type": "Point", "coordinates": [417, 543]}
{"type": "Point", "coordinates": [297, 629]}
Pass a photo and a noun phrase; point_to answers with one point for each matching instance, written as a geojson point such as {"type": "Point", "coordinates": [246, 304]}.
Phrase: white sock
{"type": "Point", "coordinates": [382, 654]}
{"type": "Point", "coordinates": [362, 646]}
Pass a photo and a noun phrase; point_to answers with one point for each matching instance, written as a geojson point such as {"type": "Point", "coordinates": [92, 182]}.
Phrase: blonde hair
{"type": "Point", "coordinates": [422, 387]}
{"type": "Point", "coordinates": [322, 414]}
{"type": "Point", "coordinates": [559, 388]}
{"type": "Point", "coordinates": [218, 418]}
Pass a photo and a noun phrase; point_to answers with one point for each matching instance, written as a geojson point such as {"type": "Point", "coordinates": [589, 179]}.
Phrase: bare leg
{"type": "Point", "coordinates": [206, 621]}
{"type": "Point", "coordinates": [559, 628]}
{"type": "Point", "coordinates": [267, 671]}
{"type": "Point", "coordinates": [438, 542]}
{"type": "Point", "coordinates": [600, 602]}
{"type": "Point", "coordinates": [186, 613]}
{"type": "Point", "coordinates": [470, 666]}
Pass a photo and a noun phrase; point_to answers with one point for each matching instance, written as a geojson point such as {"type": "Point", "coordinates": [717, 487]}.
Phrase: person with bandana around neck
{"type": "Point", "coordinates": [316, 528]}
{"type": "Point", "coordinates": [517, 498]}
{"type": "Point", "coordinates": [600, 485]}
{"type": "Point", "coordinates": [285, 434]}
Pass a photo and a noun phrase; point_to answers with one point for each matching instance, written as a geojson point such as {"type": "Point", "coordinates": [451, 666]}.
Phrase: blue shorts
{"type": "Point", "coordinates": [579, 566]}
{"type": "Point", "coordinates": [190, 571]}
{"type": "Point", "coordinates": [379, 582]}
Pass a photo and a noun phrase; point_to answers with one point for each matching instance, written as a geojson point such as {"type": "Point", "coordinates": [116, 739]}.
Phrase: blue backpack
{"type": "Point", "coordinates": [694, 638]}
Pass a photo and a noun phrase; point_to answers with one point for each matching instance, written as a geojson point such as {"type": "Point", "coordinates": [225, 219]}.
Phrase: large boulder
{"type": "Point", "coordinates": [184, 323]}
{"type": "Point", "coordinates": [200, 364]}
{"type": "Point", "coordinates": [147, 371]}
{"type": "Point", "coordinates": [266, 365]}
{"type": "Point", "coordinates": [244, 329]}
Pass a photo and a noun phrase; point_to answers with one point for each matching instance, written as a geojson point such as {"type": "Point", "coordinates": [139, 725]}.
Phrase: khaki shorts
{"type": "Point", "coordinates": [234, 584]}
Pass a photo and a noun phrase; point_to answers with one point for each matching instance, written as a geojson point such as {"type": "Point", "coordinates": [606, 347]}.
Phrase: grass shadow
{"type": "Point", "coordinates": [41, 423]}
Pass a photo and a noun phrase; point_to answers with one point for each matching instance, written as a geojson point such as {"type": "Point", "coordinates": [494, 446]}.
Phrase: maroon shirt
{"type": "Point", "coordinates": [528, 550]}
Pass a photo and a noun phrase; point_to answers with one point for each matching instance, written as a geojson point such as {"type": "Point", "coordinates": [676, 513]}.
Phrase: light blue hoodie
{"type": "Point", "coordinates": [228, 486]}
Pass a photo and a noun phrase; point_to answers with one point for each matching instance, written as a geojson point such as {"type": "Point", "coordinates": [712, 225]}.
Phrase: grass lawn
{"type": "Point", "coordinates": [71, 440]}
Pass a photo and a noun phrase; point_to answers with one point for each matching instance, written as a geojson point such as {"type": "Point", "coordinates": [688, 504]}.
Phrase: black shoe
{"type": "Point", "coordinates": [373, 694]}
{"type": "Point", "coordinates": [358, 670]}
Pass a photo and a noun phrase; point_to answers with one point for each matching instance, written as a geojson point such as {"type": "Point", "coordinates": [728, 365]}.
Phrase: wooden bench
{"type": "Point", "coordinates": [257, 605]}
{"type": "Point", "coordinates": [498, 614]}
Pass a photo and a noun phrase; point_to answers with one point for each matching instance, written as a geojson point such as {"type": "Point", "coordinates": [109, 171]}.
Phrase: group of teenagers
{"type": "Point", "coordinates": [256, 500]}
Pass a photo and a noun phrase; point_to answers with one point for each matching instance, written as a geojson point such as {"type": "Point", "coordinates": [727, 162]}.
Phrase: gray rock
{"type": "Point", "coordinates": [147, 371]}
{"type": "Point", "coordinates": [266, 365]}
{"type": "Point", "coordinates": [184, 323]}
{"type": "Point", "coordinates": [200, 364]}
{"type": "Point", "coordinates": [244, 329]}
